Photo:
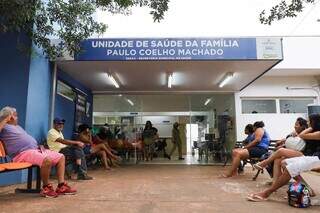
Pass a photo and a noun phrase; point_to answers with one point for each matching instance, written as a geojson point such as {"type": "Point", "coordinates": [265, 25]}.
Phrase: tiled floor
{"type": "Point", "coordinates": [154, 188]}
{"type": "Point", "coordinates": [188, 160]}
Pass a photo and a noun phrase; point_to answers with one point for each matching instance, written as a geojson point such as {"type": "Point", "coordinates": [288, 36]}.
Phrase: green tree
{"type": "Point", "coordinates": [69, 20]}
{"type": "Point", "coordinates": [283, 10]}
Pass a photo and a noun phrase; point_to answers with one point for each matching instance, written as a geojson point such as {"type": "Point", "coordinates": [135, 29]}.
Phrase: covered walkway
{"type": "Point", "coordinates": [154, 188]}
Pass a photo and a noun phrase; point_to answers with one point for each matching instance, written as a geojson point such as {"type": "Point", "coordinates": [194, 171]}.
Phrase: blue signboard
{"type": "Point", "coordinates": [168, 49]}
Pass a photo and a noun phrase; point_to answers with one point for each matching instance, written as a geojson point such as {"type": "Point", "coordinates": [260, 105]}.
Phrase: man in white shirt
{"type": "Point", "coordinates": [71, 149]}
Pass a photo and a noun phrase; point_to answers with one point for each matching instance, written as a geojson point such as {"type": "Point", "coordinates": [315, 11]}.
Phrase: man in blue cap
{"type": "Point", "coordinates": [70, 148]}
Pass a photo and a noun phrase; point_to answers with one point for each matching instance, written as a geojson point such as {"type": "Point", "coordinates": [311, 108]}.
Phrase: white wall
{"type": "Point", "coordinates": [277, 125]}
{"type": "Point", "coordinates": [300, 53]}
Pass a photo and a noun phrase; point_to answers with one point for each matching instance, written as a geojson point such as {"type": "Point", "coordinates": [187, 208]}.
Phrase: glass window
{"type": "Point", "coordinates": [258, 106]}
{"type": "Point", "coordinates": [295, 105]}
{"type": "Point", "coordinates": [65, 91]}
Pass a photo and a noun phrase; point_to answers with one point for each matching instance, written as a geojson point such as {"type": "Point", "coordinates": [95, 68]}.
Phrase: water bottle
{"type": "Point", "coordinates": [305, 198]}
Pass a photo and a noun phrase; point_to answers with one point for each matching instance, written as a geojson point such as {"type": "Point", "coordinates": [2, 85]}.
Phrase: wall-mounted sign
{"type": "Point", "coordinates": [176, 49]}
{"type": "Point", "coordinates": [269, 48]}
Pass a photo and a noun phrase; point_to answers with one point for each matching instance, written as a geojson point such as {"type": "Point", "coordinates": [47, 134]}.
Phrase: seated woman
{"type": "Point", "coordinates": [248, 130]}
{"type": "Point", "coordinates": [300, 125]}
{"type": "Point", "coordinates": [292, 167]}
{"type": "Point", "coordinates": [254, 149]}
{"type": "Point", "coordinates": [283, 152]}
{"type": "Point", "coordinates": [90, 148]}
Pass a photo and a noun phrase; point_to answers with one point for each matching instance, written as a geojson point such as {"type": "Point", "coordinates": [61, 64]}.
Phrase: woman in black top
{"type": "Point", "coordinates": [312, 146]}
{"type": "Point", "coordinates": [282, 152]}
{"type": "Point", "coordinates": [292, 167]}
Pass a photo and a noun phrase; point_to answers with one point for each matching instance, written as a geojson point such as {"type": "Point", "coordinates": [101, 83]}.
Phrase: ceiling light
{"type": "Point", "coordinates": [226, 79]}
{"type": "Point", "coordinates": [170, 79]}
{"type": "Point", "coordinates": [114, 82]}
{"type": "Point", "coordinates": [130, 102]}
{"type": "Point", "coordinates": [207, 101]}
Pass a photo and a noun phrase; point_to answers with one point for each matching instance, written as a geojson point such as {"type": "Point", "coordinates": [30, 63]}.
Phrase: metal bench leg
{"type": "Point", "coordinates": [257, 174]}
{"type": "Point", "coordinates": [38, 181]}
{"type": "Point", "coordinates": [29, 183]}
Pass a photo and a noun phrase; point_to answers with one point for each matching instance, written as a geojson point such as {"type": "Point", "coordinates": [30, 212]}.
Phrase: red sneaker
{"type": "Point", "coordinates": [65, 189]}
{"type": "Point", "coordinates": [48, 191]}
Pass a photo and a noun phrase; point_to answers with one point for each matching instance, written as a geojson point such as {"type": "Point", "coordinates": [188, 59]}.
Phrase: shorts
{"type": "Point", "coordinates": [257, 152]}
{"type": "Point", "coordinates": [300, 164]}
{"type": "Point", "coordinates": [36, 156]}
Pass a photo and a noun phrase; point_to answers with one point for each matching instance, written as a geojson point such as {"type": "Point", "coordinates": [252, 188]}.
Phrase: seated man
{"type": "Point", "coordinates": [71, 149]}
{"type": "Point", "coordinates": [22, 147]}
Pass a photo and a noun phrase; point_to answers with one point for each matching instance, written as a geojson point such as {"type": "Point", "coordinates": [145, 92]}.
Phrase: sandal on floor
{"type": "Point", "coordinates": [258, 167]}
{"type": "Point", "coordinates": [223, 176]}
{"type": "Point", "coordinates": [256, 198]}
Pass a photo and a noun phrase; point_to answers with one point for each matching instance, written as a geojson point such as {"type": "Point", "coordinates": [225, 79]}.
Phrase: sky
{"type": "Point", "coordinates": [210, 18]}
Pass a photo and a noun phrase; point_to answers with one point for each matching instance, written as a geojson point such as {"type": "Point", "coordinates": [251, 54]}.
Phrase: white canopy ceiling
{"type": "Point", "coordinates": [151, 76]}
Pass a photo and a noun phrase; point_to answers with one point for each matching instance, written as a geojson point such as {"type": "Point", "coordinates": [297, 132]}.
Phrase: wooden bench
{"type": "Point", "coordinates": [252, 161]}
{"type": "Point", "coordinates": [7, 166]}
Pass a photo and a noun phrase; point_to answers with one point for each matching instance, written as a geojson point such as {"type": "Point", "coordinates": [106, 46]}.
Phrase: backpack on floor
{"type": "Point", "coordinates": [298, 195]}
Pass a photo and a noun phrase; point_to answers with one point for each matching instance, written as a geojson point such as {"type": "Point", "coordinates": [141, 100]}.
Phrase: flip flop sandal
{"type": "Point", "coordinates": [257, 166]}
{"type": "Point", "coordinates": [223, 176]}
{"type": "Point", "coordinates": [256, 198]}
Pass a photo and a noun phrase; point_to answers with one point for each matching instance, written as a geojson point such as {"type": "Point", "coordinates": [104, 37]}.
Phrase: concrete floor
{"type": "Point", "coordinates": [154, 188]}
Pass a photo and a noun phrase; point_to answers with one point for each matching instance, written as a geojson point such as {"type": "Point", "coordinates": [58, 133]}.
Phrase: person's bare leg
{"type": "Point", "coordinates": [237, 156]}
{"type": "Point", "coordinates": [61, 169]}
{"type": "Point", "coordinates": [279, 154]}
{"type": "Point", "coordinates": [109, 162]}
{"type": "Point", "coordinates": [281, 181]}
{"type": "Point", "coordinates": [78, 161]}
{"type": "Point", "coordinates": [45, 171]}
{"type": "Point", "coordinates": [96, 149]}
{"type": "Point", "coordinates": [145, 151]}
{"type": "Point", "coordinates": [277, 172]}
{"type": "Point", "coordinates": [108, 152]}
{"type": "Point", "coordinates": [103, 156]}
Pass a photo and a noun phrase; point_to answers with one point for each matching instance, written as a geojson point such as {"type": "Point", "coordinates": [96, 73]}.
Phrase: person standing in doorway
{"type": "Point", "coordinates": [176, 140]}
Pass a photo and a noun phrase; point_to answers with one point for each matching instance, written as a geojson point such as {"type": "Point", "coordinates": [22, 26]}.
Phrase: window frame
{"type": "Point", "coordinates": [295, 99]}
{"type": "Point", "coordinates": [66, 86]}
{"type": "Point", "coordinates": [259, 99]}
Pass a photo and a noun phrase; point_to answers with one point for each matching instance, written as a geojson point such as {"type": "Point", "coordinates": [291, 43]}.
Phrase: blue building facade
{"type": "Point", "coordinates": [26, 83]}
